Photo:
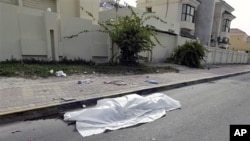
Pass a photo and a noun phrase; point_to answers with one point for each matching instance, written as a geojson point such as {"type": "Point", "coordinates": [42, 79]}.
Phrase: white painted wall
{"type": "Point", "coordinates": [222, 56]}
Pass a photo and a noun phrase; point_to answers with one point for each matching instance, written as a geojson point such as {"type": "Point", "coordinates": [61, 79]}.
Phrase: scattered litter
{"type": "Point", "coordinates": [65, 99]}
{"type": "Point", "coordinates": [152, 81]}
{"type": "Point", "coordinates": [68, 99]}
{"type": "Point", "coordinates": [116, 82]}
{"type": "Point", "coordinates": [51, 71]}
{"type": "Point", "coordinates": [85, 81]}
{"type": "Point", "coordinates": [60, 74]}
{"type": "Point", "coordinates": [17, 131]}
{"type": "Point", "coordinates": [121, 112]}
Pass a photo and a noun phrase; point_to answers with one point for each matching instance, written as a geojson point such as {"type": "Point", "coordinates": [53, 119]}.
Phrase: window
{"type": "Point", "coordinates": [149, 9]}
{"type": "Point", "coordinates": [226, 25]}
{"type": "Point", "coordinates": [188, 13]}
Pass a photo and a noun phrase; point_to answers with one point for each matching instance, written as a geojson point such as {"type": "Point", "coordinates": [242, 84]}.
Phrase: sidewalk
{"type": "Point", "coordinates": [20, 95]}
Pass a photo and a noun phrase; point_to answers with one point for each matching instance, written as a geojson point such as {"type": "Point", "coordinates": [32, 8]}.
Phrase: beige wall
{"type": "Point", "coordinates": [161, 8]}
{"type": "Point", "coordinates": [239, 42]}
{"type": "Point", "coordinates": [9, 33]}
{"type": "Point", "coordinates": [171, 10]}
{"type": "Point", "coordinates": [87, 45]}
{"type": "Point", "coordinates": [26, 32]}
{"type": "Point", "coordinates": [92, 6]}
{"type": "Point", "coordinates": [69, 8]}
{"type": "Point", "coordinates": [168, 26]}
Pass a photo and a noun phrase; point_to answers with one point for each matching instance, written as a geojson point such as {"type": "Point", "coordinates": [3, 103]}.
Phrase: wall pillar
{"type": "Point", "coordinates": [20, 3]}
{"type": "Point", "coordinates": [50, 20]}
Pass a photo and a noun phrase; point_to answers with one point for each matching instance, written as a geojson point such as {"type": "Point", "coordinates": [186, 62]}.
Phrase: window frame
{"type": "Point", "coordinates": [226, 25]}
{"type": "Point", "coordinates": [188, 13]}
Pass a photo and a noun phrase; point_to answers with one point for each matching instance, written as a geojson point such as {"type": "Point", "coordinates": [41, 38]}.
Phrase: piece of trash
{"type": "Point", "coordinates": [85, 81]}
{"type": "Point", "coordinates": [93, 72]}
{"type": "Point", "coordinates": [61, 73]}
{"type": "Point", "coordinates": [153, 139]}
{"type": "Point", "coordinates": [84, 106]}
{"type": "Point", "coordinates": [51, 71]}
{"type": "Point", "coordinates": [17, 131]}
{"type": "Point", "coordinates": [152, 81]}
{"type": "Point", "coordinates": [68, 99]}
{"type": "Point", "coordinates": [157, 71]}
{"type": "Point", "coordinates": [85, 72]}
{"type": "Point", "coordinates": [116, 82]}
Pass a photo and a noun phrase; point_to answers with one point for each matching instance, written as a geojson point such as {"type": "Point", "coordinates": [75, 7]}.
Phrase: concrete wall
{"type": "Point", "coordinates": [9, 33]}
{"type": "Point", "coordinates": [25, 32]}
{"type": "Point", "coordinates": [167, 27]}
{"type": "Point", "coordinates": [161, 53]}
{"type": "Point", "coordinates": [90, 45]}
{"type": "Point", "coordinates": [69, 8]}
{"type": "Point", "coordinates": [168, 9]}
{"type": "Point", "coordinates": [222, 56]}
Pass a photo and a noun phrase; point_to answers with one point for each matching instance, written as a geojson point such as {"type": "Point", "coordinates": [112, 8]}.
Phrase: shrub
{"type": "Point", "coordinates": [189, 54]}
{"type": "Point", "coordinates": [130, 34]}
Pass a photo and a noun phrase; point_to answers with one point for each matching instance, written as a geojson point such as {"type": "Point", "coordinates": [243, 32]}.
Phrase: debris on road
{"type": "Point", "coordinates": [116, 82]}
{"type": "Point", "coordinates": [17, 131]}
{"type": "Point", "coordinates": [85, 81]}
{"type": "Point", "coordinates": [60, 74]}
{"type": "Point", "coordinates": [51, 71]}
{"type": "Point", "coordinates": [65, 99]}
{"type": "Point", "coordinates": [152, 81]}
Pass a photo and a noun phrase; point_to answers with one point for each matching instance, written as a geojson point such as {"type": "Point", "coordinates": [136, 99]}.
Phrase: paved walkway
{"type": "Point", "coordinates": [18, 94]}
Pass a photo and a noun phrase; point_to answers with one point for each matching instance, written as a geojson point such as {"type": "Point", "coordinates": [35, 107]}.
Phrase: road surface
{"type": "Point", "coordinates": [207, 111]}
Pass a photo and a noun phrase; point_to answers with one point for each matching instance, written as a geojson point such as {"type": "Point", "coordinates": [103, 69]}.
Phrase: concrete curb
{"type": "Point", "coordinates": [60, 108]}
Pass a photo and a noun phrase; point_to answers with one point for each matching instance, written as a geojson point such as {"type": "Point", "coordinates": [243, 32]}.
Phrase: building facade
{"type": "Point", "coordinates": [239, 40]}
{"type": "Point", "coordinates": [181, 11]}
{"type": "Point", "coordinates": [223, 16]}
{"type": "Point", "coordinates": [43, 29]}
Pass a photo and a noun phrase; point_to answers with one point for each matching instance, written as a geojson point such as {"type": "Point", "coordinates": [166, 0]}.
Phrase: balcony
{"type": "Point", "coordinates": [187, 25]}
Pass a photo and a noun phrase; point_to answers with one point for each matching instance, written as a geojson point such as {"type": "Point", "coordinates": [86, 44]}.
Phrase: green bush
{"type": "Point", "coordinates": [189, 54]}
{"type": "Point", "coordinates": [130, 35]}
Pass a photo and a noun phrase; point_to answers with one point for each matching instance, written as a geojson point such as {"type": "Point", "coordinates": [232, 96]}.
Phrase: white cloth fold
{"type": "Point", "coordinates": [121, 112]}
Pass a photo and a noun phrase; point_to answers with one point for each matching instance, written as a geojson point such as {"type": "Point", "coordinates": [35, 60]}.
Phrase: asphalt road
{"type": "Point", "coordinates": [207, 111]}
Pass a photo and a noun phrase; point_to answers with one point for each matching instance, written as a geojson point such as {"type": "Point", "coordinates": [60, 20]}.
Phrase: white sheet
{"type": "Point", "coordinates": [121, 112]}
